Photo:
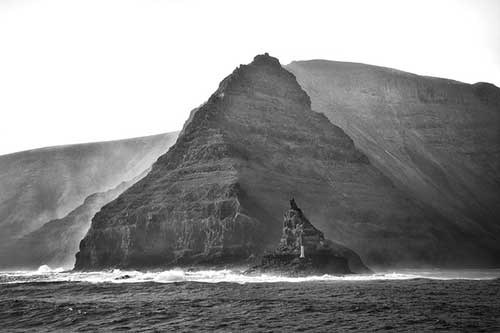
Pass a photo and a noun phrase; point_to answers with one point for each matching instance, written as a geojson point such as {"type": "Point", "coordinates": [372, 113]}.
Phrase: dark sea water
{"type": "Point", "coordinates": [227, 301]}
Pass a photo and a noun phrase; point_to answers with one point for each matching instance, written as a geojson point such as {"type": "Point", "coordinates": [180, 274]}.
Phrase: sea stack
{"type": "Point", "coordinates": [303, 250]}
{"type": "Point", "coordinates": [214, 198]}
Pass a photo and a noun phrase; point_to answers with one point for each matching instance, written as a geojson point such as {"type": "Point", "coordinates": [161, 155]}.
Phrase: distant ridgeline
{"type": "Point", "coordinates": [48, 196]}
{"type": "Point", "coordinates": [413, 181]}
{"type": "Point", "coordinates": [214, 197]}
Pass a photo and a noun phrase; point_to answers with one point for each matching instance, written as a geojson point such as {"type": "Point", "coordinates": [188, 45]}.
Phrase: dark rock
{"type": "Point", "coordinates": [319, 262]}
{"type": "Point", "coordinates": [303, 250]}
{"type": "Point", "coordinates": [293, 205]}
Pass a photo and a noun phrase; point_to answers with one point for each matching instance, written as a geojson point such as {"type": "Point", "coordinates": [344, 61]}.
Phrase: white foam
{"type": "Point", "coordinates": [46, 269]}
{"type": "Point", "coordinates": [47, 274]}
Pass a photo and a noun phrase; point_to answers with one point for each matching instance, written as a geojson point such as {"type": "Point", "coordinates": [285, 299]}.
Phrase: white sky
{"type": "Point", "coordinates": [93, 70]}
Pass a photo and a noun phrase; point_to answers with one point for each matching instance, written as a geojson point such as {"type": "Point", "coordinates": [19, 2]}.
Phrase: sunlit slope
{"type": "Point", "coordinates": [437, 139]}
{"type": "Point", "coordinates": [39, 185]}
{"type": "Point", "coordinates": [56, 242]}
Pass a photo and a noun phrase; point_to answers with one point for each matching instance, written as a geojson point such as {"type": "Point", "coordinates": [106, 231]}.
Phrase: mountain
{"type": "Point", "coordinates": [45, 184]}
{"type": "Point", "coordinates": [436, 139]}
{"type": "Point", "coordinates": [56, 242]}
{"type": "Point", "coordinates": [215, 196]}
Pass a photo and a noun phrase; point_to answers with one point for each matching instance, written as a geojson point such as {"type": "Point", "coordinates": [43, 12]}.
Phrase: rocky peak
{"type": "Point", "coordinates": [263, 76]}
{"type": "Point", "coordinates": [265, 60]}
{"type": "Point", "coordinates": [298, 231]}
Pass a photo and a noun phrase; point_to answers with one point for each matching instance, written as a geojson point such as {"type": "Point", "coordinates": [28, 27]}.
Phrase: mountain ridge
{"type": "Point", "coordinates": [437, 139]}
{"type": "Point", "coordinates": [56, 242]}
{"type": "Point", "coordinates": [389, 69]}
{"type": "Point", "coordinates": [47, 183]}
{"type": "Point", "coordinates": [84, 144]}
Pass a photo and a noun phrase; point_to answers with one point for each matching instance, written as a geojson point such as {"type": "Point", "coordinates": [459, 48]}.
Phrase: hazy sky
{"type": "Point", "coordinates": [80, 71]}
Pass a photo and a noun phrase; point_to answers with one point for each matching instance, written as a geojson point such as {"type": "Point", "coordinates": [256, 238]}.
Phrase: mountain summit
{"type": "Point", "coordinates": [215, 196]}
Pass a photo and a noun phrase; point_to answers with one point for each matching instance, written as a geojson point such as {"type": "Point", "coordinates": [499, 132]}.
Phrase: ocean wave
{"type": "Point", "coordinates": [46, 274]}
{"type": "Point", "coordinates": [46, 269]}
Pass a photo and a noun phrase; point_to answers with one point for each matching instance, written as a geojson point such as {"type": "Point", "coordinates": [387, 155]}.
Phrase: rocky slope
{"type": "Point", "coordinates": [303, 250]}
{"type": "Point", "coordinates": [437, 139]}
{"type": "Point", "coordinates": [39, 185]}
{"type": "Point", "coordinates": [215, 195]}
{"type": "Point", "coordinates": [56, 242]}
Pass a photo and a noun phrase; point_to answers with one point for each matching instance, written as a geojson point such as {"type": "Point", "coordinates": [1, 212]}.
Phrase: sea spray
{"type": "Point", "coordinates": [47, 274]}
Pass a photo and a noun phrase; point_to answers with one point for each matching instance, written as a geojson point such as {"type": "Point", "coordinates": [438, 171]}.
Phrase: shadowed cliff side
{"type": "Point", "coordinates": [215, 196]}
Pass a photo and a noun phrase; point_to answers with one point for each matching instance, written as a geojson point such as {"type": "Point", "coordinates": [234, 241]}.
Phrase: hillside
{"type": "Point", "coordinates": [436, 139]}
{"type": "Point", "coordinates": [45, 184]}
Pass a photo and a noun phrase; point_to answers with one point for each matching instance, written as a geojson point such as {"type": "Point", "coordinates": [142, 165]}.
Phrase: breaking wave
{"type": "Point", "coordinates": [47, 274]}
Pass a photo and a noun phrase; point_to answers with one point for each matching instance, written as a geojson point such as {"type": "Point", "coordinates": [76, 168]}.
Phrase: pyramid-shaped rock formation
{"type": "Point", "coordinates": [215, 196]}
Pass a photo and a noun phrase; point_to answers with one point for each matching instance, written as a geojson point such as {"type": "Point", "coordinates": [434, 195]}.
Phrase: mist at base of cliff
{"type": "Point", "coordinates": [225, 300]}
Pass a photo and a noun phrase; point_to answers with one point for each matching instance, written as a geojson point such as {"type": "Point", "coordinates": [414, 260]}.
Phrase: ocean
{"type": "Point", "coordinates": [229, 301]}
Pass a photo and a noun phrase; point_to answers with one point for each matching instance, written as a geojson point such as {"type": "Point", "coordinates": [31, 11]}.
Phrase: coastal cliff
{"type": "Point", "coordinates": [214, 197]}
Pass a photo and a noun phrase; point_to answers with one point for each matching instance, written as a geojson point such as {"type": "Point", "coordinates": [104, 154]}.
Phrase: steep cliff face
{"type": "Point", "coordinates": [39, 185]}
{"type": "Point", "coordinates": [56, 242]}
{"type": "Point", "coordinates": [215, 195]}
{"type": "Point", "coordinates": [437, 139]}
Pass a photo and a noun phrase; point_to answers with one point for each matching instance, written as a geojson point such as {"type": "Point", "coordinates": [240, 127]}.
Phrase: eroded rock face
{"type": "Point", "coordinates": [214, 197]}
{"type": "Point", "coordinates": [303, 250]}
{"type": "Point", "coordinates": [436, 139]}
